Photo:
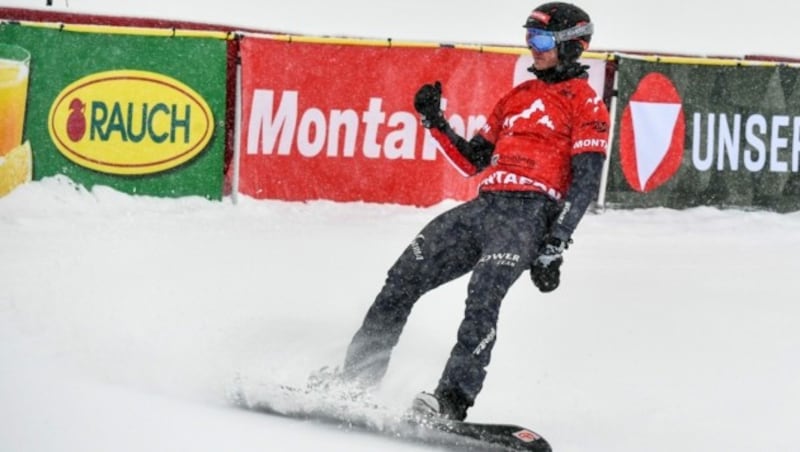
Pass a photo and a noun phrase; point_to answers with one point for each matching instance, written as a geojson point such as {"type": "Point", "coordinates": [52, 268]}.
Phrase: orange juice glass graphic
{"type": "Point", "coordinates": [14, 69]}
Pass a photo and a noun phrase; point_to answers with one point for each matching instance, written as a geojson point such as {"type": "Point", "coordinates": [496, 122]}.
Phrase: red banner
{"type": "Point", "coordinates": [329, 121]}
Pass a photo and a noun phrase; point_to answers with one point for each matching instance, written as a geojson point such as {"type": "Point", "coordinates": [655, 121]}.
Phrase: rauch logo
{"type": "Point", "coordinates": [130, 122]}
{"type": "Point", "coordinates": [652, 133]}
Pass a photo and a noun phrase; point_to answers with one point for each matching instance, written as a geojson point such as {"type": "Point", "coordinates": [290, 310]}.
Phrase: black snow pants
{"type": "Point", "coordinates": [495, 236]}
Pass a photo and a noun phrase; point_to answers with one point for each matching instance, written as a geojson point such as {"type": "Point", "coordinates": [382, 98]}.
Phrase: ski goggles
{"type": "Point", "coordinates": [540, 40]}
{"type": "Point", "coordinates": [544, 40]}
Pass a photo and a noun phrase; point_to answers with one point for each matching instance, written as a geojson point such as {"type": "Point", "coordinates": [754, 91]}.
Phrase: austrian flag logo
{"type": "Point", "coordinates": [652, 133]}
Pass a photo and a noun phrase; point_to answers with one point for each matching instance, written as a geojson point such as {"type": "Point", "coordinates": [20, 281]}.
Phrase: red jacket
{"type": "Point", "coordinates": [536, 129]}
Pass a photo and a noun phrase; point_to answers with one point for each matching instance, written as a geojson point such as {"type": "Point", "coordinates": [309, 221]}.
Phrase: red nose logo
{"type": "Point", "coordinates": [652, 133]}
{"type": "Point", "coordinates": [76, 122]}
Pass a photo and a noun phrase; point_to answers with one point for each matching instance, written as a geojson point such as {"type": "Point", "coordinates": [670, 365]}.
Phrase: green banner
{"type": "Point", "coordinates": [706, 135]}
{"type": "Point", "coordinates": [142, 113]}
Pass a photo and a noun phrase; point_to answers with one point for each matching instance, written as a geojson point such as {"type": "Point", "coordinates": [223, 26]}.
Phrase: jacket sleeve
{"type": "Point", "coordinates": [469, 157]}
{"type": "Point", "coordinates": [587, 170]}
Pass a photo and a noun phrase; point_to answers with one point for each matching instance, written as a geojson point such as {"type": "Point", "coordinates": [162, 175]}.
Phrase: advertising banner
{"type": "Point", "coordinates": [706, 135]}
{"type": "Point", "coordinates": [142, 113]}
{"type": "Point", "coordinates": [337, 121]}
{"type": "Point", "coordinates": [15, 155]}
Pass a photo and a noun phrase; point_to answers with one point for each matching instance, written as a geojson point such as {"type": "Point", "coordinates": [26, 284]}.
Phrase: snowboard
{"type": "Point", "coordinates": [359, 415]}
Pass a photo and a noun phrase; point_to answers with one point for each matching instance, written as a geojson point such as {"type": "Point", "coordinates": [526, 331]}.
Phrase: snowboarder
{"type": "Point", "coordinates": [540, 158]}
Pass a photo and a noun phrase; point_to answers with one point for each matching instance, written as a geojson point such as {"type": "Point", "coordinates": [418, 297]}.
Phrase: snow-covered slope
{"type": "Point", "coordinates": [124, 320]}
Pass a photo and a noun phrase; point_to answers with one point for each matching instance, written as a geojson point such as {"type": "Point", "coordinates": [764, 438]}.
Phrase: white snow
{"type": "Point", "coordinates": [124, 320]}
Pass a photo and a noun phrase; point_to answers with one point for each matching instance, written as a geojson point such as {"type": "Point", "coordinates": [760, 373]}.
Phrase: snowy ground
{"type": "Point", "coordinates": [124, 320]}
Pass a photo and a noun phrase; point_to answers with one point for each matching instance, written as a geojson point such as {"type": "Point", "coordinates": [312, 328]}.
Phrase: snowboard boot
{"type": "Point", "coordinates": [446, 404]}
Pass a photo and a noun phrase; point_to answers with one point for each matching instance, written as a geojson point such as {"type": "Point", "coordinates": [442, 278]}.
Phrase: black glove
{"type": "Point", "coordinates": [427, 102]}
{"type": "Point", "coordinates": [546, 269]}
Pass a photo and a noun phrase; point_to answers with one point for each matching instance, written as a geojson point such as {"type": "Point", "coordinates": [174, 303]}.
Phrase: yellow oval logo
{"type": "Point", "coordinates": [130, 122]}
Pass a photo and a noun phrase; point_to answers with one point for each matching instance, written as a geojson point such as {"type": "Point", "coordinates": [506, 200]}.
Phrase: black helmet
{"type": "Point", "coordinates": [572, 26]}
